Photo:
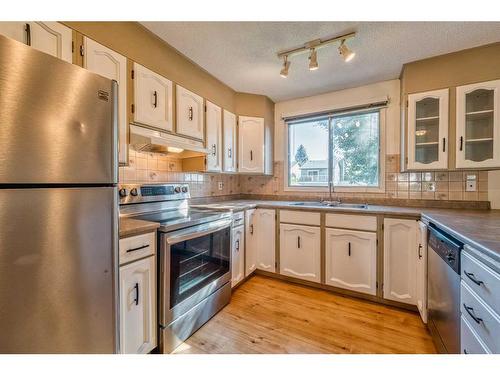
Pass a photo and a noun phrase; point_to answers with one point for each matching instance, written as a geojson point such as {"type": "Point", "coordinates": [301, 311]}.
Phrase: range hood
{"type": "Point", "coordinates": [148, 140]}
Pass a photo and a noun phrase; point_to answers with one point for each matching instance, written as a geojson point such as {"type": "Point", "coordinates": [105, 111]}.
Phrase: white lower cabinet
{"type": "Point", "coordinates": [237, 255]}
{"type": "Point", "coordinates": [250, 242]}
{"type": "Point", "coordinates": [400, 254]}
{"type": "Point", "coordinates": [138, 306]}
{"type": "Point", "coordinates": [422, 271]}
{"type": "Point", "coordinates": [351, 260]}
{"type": "Point", "coordinates": [265, 228]}
{"type": "Point", "coordinates": [300, 252]}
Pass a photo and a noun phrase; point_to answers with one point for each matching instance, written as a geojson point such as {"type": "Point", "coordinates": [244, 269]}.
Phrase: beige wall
{"type": "Point", "coordinates": [342, 99]}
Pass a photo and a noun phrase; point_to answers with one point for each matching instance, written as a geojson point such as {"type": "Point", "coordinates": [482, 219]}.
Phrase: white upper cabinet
{"type": "Point", "coordinates": [152, 98]}
{"type": "Point", "coordinates": [214, 137]}
{"type": "Point", "coordinates": [400, 267]}
{"type": "Point", "coordinates": [110, 64]}
{"type": "Point", "coordinates": [300, 252]}
{"type": "Point", "coordinates": [478, 125]}
{"type": "Point", "coordinates": [351, 260]}
{"type": "Point", "coordinates": [49, 37]}
{"type": "Point", "coordinates": [428, 130]}
{"type": "Point", "coordinates": [238, 255]}
{"type": "Point", "coordinates": [251, 144]}
{"type": "Point", "coordinates": [230, 141]}
{"type": "Point", "coordinates": [190, 119]}
{"type": "Point", "coordinates": [265, 228]}
{"type": "Point", "coordinates": [422, 271]}
{"type": "Point", "coordinates": [250, 242]}
{"type": "Point", "coordinates": [138, 326]}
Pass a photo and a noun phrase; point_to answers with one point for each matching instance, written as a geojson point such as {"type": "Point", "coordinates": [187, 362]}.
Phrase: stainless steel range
{"type": "Point", "coordinates": [194, 265]}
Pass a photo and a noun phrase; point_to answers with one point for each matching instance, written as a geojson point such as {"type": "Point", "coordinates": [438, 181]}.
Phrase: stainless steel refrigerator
{"type": "Point", "coordinates": [58, 205]}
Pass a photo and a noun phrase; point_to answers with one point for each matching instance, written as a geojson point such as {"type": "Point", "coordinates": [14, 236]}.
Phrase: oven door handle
{"type": "Point", "coordinates": [197, 231]}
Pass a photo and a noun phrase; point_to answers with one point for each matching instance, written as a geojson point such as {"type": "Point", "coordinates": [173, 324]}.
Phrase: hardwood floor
{"type": "Point", "coordinates": [272, 316]}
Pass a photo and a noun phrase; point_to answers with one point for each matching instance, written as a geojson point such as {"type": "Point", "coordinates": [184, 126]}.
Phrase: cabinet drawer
{"type": "Point", "coordinates": [474, 272]}
{"type": "Point", "coordinates": [300, 217]}
{"type": "Point", "coordinates": [360, 222]}
{"type": "Point", "coordinates": [238, 218]}
{"type": "Point", "coordinates": [470, 343]}
{"type": "Point", "coordinates": [483, 320]}
{"type": "Point", "coordinates": [136, 247]}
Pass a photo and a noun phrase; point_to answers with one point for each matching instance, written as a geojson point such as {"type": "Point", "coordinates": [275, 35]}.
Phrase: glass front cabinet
{"type": "Point", "coordinates": [478, 125]}
{"type": "Point", "coordinates": [428, 130]}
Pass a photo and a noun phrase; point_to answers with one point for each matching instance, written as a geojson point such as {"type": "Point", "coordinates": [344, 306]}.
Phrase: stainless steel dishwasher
{"type": "Point", "coordinates": [444, 290]}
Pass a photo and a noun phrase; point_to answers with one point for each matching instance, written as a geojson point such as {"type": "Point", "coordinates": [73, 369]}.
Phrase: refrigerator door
{"type": "Point", "coordinates": [58, 270]}
{"type": "Point", "coordinates": [57, 120]}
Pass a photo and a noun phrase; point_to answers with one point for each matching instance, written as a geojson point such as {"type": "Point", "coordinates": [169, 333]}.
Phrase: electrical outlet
{"type": "Point", "coordinates": [221, 185]}
{"type": "Point", "coordinates": [470, 183]}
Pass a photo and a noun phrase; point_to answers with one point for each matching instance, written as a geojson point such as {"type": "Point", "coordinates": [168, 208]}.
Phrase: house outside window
{"type": "Point", "coordinates": [345, 147]}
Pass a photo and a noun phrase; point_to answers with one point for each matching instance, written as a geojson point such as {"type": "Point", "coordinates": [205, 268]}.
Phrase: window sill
{"type": "Point", "coordinates": [339, 189]}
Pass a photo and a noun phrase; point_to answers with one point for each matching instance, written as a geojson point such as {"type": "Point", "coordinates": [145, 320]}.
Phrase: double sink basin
{"type": "Point", "coordinates": [331, 204]}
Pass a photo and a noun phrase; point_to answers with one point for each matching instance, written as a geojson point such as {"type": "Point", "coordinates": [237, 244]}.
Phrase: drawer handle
{"type": "Point", "coordinates": [298, 242]}
{"type": "Point", "coordinates": [190, 113]}
{"type": "Point", "coordinates": [229, 155]}
{"type": "Point", "coordinates": [461, 143]}
{"type": "Point", "coordinates": [136, 300]}
{"type": "Point", "coordinates": [251, 228]}
{"type": "Point", "coordinates": [251, 155]}
{"type": "Point", "coordinates": [27, 28]}
{"type": "Point", "coordinates": [155, 97]}
{"type": "Point", "coordinates": [237, 245]}
{"type": "Point", "coordinates": [214, 150]}
{"type": "Point", "coordinates": [471, 276]}
{"type": "Point", "coordinates": [419, 251]}
{"type": "Point", "coordinates": [470, 310]}
{"type": "Point", "coordinates": [349, 249]}
{"type": "Point", "coordinates": [444, 144]}
{"type": "Point", "coordinates": [137, 248]}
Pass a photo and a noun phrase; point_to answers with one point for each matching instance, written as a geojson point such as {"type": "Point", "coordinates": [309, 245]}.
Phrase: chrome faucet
{"type": "Point", "coordinates": [330, 201]}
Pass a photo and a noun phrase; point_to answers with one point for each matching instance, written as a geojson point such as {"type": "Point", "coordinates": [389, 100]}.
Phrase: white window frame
{"type": "Point", "coordinates": [343, 189]}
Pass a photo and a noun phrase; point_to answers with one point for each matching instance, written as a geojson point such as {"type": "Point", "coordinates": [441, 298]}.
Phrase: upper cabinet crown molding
{"type": "Point", "coordinates": [478, 125]}
{"type": "Point", "coordinates": [251, 144]}
{"type": "Point", "coordinates": [153, 97]}
{"type": "Point", "coordinates": [110, 64]}
{"type": "Point", "coordinates": [52, 38]}
{"type": "Point", "coordinates": [428, 130]}
{"type": "Point", "coordinates": [214, 137]}
{"type": "Point", "coordinates": [190, 113]}
{"type": "Point", "coordinates": [230, 141]}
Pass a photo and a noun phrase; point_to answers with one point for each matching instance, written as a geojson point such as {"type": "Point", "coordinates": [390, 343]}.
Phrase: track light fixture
{"type": "Point", "coordinates": [313, 60]}
{"type": "Point", "coordinates": [312, 47]}
{"type": "Point", "coordinates": [286, 65]}
{"type": "Point", "coordinates": [346, 53]}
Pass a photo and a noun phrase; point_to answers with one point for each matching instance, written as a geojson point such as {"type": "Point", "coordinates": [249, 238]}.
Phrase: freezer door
{"type": "Point", "coordinates": [58, 270]}
{"type": "Point", "coordinates": [57, 120]}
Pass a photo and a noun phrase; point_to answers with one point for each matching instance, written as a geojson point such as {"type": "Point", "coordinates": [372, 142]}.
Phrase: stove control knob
{"type": "Point", "coordinates": [123, 192]}
{"type": "Point", "coordinates": [184, 189]}
{"type": "Point", "coordinates": [177, 189]}
{"type": "Point", "coordinates": [133, 192]}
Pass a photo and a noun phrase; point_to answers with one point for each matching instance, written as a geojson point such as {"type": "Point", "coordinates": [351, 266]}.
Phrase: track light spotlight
{"type": "Point", "coordinates": [286, 65]}
{"type": "Point", "coordinates": [313, 60]}
{"type": "Point", "coordinates": [346, 53]}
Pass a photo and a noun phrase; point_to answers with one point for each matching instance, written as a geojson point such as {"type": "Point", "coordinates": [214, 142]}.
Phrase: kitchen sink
{"type": "Point", "coordinates": [362, 206]}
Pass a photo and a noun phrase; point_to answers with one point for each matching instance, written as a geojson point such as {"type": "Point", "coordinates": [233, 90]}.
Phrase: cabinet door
{"type": "Point", "coordinates": [214, 137]}
{"type": "Point", "coordinates": [266, 235]}
{"type": "Point", "coordinates": [400, 237]}
{"type": "Point", "coordinates": [300, 252]}
{"type": "Point", "coordinates": [250, 242]}
{"type": "Point", "coordinates": [189, 114]}
{"type": "Point", "coordinates": [251, 144]}
{"type": "Point", "coordinates": [152, 98]}
{"type": "Point", "coordinates": [478, 125]}
{"type": "Point", "coordinates": [422, 271]}
{"type": "Point", "coordinates": [351, 260]}
{"type": "Point", "coordinates": [230, 142]}
{"type": "Point", "coordinates": [428, 130]}
{"type": "Point", "coordinates": [237, 255]}
{"type": "Point", "coordinates": [138, 306]}
{"type": "Point", "coordinates": [52, 38]}
{"type": "Point", "coordinates": [107, 63]}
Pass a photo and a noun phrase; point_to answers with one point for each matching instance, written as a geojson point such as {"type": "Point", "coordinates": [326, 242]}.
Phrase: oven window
{"type": "Point", "coordinates": [197, 262]}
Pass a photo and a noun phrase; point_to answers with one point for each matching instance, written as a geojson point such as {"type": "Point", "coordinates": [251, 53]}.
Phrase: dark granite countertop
{"type": "Point", "coordinates": [131, 227]}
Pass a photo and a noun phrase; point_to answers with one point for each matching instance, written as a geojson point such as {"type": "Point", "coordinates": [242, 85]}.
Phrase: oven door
{"type": "Point", "coordinates": [194, 263]}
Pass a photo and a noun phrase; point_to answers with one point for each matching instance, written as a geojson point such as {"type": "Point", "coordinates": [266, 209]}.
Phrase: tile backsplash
{"type": "Point", "coordinates": [442, 186]}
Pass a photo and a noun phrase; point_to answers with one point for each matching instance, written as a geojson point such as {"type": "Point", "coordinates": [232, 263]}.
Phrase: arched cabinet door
{"type": "Point", "coordinates": [400, 260]}
{"type": "Point", "coordinates": [190, 116]}
{"type": "Point", "coordinates": [251, 144]}
{"type": "Point", "coordinates": [110, 64]}
{"type": "Point", "coordinates": [265, 228]}
{"type": "Point", "coordinates": [428, 130]}
{"type": "Point", "coordinates": [214, 137]}
{"type": "Point", "coordinates": [230, 141]}
{"type": "Point", "coordinates": [478, 125]}
{"type": "Point", "coordinates": [351, 260]}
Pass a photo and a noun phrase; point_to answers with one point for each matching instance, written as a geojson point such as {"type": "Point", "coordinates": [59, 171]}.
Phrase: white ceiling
{"type": "Point", "coordinates": [243, 54]}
